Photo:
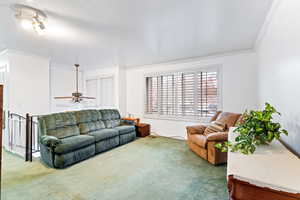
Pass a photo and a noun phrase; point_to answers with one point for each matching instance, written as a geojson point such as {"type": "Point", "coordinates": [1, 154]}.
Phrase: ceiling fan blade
{"type": "Point", "coordinates": [63, 97]}
{"type": "Point", "coordinates": [87, 97]}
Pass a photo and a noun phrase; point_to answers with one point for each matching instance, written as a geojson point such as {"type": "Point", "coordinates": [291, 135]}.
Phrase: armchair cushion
{"type": "Point", "coordinates": [219, 136]}
{"type": "Point", "coordinates": [50, 141]}
{"type": "Point", "coordinates": [215, 116]}
{"type": "Point", "coordinates": [215, 127]}
{"type": "Point", "coordinates": [198, 129]}
{"type": "Point", "coordinates": [228, 118]}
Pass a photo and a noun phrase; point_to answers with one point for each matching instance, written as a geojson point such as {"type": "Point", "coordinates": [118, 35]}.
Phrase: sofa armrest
{"type": "Point", "coordinates": [127, 122]}
{"type": "Point", "coordinates": [50, 141]}
{"type": "Point", "coordinates": [218, 136]}
{"type": "Point", "coordinates": [198, 129]}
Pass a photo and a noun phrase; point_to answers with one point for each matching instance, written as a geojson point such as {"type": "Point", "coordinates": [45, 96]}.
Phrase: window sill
{"type": "Point", "coordinates": [168, 118]}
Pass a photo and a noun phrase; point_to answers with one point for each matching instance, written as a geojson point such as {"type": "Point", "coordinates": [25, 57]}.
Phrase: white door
{"type": "Point", "coordinates": [102, 88]}
{"type": "Point", "coordinates": [91, 91]}
{"type": "Point", "coordinates": [106, 92]}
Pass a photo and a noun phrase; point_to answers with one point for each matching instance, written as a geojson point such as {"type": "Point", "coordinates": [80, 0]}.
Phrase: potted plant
{"type": "Point", "coordinates": [257, 128]}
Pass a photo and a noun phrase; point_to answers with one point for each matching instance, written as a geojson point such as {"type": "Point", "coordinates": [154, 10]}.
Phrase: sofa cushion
{"type": "Point", "coordinates": [112, 123]}
{"type": "Point", "coordinates": [199, 140]}
{"type": "Point", "coordinates": [111, 117]}
{"type": "Point", "coordinates": [88, 116]}
{"type": "Point", "coordinates": [89, 120]}
{"type": "Point", "coordinates": [103, 134]}
{"type": "Point", "coordinates": [90, 126]}
{"type": "Point", "coordinates": [60, 125]}
{"type": "Point", "coordinates": [73, 143]}
{"type": "Point", "coordinates": [228, 118]}
{"type": "Point", "coordinates": [125, 129]}
{"type": "Point", "coordinates": [128, 137]}
{"type": "Point", "coordinates": [64, 160]}
{"type": "Point", "coordinates": [108, 114]}
{"type": "Point", "coordinates": [64, 132]}
{"type": "Point", "coordinates": [59, 120]}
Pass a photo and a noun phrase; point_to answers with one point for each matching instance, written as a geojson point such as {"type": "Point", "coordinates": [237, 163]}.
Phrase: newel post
{"type": "Point", "coordinates": [28, 145]}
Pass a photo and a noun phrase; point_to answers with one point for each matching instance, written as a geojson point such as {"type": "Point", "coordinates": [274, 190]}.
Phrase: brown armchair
{"type": "Point", "coordinates": [204, 144]}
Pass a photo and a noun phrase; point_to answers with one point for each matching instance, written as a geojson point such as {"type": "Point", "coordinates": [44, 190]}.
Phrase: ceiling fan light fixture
{"type": "Point", "coordinates": [76, 96]}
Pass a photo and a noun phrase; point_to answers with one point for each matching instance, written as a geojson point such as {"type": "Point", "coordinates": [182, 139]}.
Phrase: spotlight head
{"type": "Point", "coordinates": [30, 18]}
{"type": "Point", "coordinates": [26, 24]}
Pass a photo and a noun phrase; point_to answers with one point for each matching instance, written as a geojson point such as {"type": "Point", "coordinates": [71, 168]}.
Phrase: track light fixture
{"type": "Point", "coordinates": [30, 18]}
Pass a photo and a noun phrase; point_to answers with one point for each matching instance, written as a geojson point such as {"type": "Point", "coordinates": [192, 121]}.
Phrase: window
{"type": "Point", "coordinates": [191, 95]}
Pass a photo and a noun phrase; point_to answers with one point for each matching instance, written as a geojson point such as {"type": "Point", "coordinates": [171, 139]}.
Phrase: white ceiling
{"type": "Point", "coordinates": [135, 32]}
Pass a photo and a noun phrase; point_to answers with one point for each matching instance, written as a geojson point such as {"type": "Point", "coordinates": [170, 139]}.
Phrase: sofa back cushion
{"type": "Point", "coordinates": [111, 117]}
{"type": "Point", "coordinates": [60, 125]}
{"type": "Point", "coordinates": [89, 120]}
{"type": "Point", "coordinates": [228, 118]}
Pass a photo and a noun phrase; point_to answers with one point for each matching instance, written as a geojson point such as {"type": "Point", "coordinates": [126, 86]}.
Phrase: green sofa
{"type": "Point", "coordinates": [70, 137]}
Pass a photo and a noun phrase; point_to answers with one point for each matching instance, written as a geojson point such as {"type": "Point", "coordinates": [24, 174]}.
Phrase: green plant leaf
{"type": "Point", "coordinates": [256, 129]}
{"type": "Point", "coordinates": [285, 132]}
{"type": "Point", "coordinates": [218, 146]}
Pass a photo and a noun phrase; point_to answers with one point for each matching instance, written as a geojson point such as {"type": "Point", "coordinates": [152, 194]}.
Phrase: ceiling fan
{"type": "Point", "coordinates": [76, 96]}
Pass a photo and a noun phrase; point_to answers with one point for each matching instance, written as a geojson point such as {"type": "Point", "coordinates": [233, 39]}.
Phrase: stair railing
{"type": "Point", "coordinates": [22, 135]}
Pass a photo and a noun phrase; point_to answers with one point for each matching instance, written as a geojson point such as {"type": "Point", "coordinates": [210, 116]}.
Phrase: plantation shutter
{"type": "Point", "coordinates": [152, 95]}
{"type": "Point", "coordinates": [207, 94]}
{"type": "Point", "coordinates": [182, 94]}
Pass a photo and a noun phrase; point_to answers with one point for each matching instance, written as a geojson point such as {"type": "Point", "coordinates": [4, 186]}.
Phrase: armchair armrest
{"type": "Point", "coordinates": [50, 141]}
{"type": "Point", "coordinates": [218, 136]}
{"type": "Point", "coordinates": [197, 129]}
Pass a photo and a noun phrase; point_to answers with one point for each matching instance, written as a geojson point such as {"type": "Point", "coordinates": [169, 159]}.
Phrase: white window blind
{"type": "Point", "coordinates": [183, 94]}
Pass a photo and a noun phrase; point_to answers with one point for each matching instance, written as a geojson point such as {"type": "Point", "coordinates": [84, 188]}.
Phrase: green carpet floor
{"type": "Point", "coordinates": [148, 168]}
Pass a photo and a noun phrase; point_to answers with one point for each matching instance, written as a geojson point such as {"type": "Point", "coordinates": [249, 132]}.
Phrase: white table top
{"type": "Point", "coordinates": [271, 166]}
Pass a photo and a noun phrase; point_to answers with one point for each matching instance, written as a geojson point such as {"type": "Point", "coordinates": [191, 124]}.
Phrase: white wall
{"type": "Point", "coordinates": [4, 58]}
{"type": "Point", "coordinates": [34, 81]}
{"type": "Point", "coordinates": [28, 83]}
{"type": "Point", "coordinates": [279, 66]}
{"type": "Point", "coordinates": [239, 88]}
